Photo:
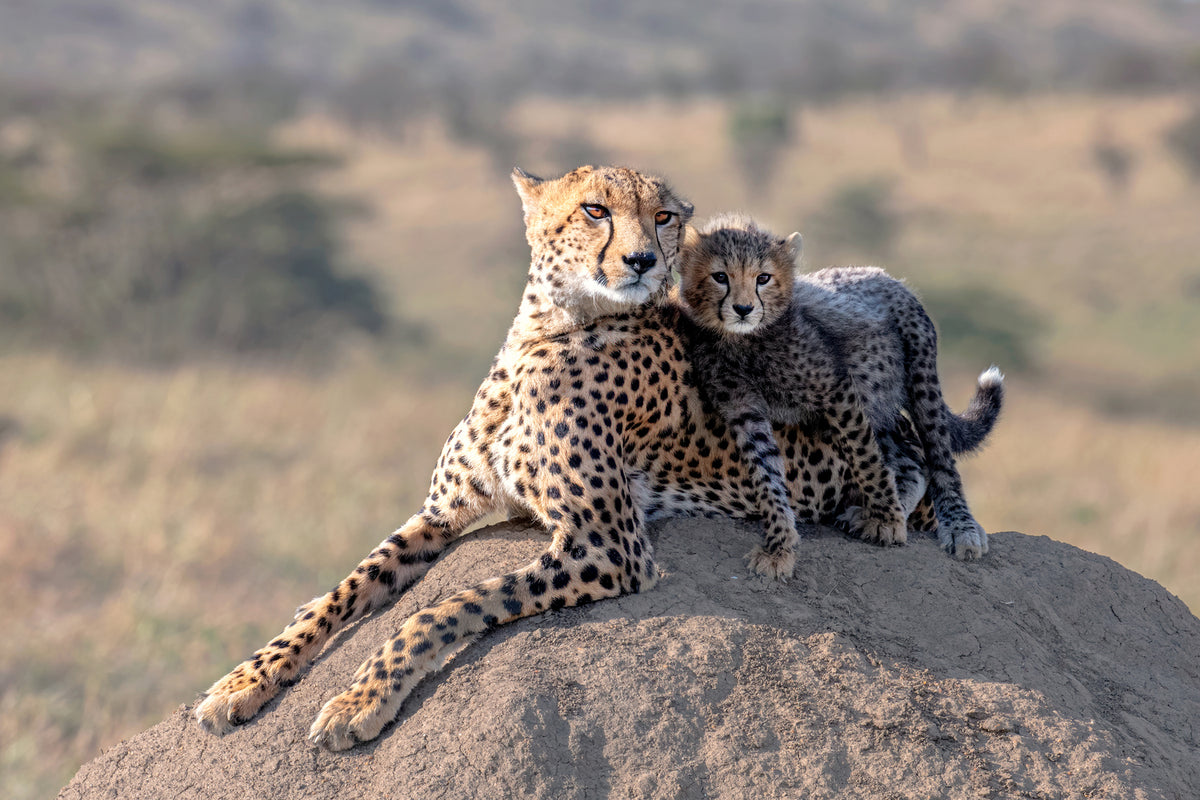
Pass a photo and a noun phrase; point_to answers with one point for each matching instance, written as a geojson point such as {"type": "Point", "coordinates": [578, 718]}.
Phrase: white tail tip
{"type": "Point", "coordinates": [992, 376]}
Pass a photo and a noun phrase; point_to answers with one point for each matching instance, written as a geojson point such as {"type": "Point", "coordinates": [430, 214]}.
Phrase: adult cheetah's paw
{"type": "Point", "coordinates": [353, 716]}
{"type": "Point", "coordinates": [311, 605]}
{"type": "Point", "coordinates": [778, 565]}
{"type": "Point", "coordinates": [233, 699]}
{"type": "Point", "coordinates": [874, 529]}
{"type": "Point", "coordinates": [966, 541]}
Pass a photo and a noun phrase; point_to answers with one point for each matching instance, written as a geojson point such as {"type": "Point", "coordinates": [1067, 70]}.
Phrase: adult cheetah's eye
{"type": "Point", "coordinates": [721, 278]}
{"type": "Point", "coordinates": [763, 278]}
{"type": "Point", "coordinates": [595, 211]}
{"type": "Point", "coordinates": [663, 217]}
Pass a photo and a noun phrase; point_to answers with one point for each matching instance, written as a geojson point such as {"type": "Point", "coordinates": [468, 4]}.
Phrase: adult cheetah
{"type": "Point", "coordinates": [588, 421]}
{"type": "Point", "coordinates": [849, 345]}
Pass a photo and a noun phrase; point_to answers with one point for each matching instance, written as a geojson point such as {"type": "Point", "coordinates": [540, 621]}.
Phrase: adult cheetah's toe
{"type": "Point", "coordinates": [231, 701]}
{"type": "Point", "coordinates": [778, 565]}
{"type": "Point", "coordinates": [351, 717]}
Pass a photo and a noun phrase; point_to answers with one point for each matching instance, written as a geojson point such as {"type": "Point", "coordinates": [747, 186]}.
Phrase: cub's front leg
{"type": "Point", "coordinates": [776, 556]}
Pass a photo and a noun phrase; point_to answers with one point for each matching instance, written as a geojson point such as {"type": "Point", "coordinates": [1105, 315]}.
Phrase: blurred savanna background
{"type": "Point", "coordinates": [256, 255]}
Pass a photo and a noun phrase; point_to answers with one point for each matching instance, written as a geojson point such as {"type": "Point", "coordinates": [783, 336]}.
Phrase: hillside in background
{"type": "Point", "coordinates": [612, 47]}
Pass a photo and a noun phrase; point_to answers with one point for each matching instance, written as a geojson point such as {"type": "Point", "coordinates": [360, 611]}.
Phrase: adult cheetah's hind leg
{"type": "Point", "coordinates": [567, 574]}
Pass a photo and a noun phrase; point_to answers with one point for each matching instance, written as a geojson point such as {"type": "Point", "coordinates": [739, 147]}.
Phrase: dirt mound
{"type": "Point", "coordinates": [1040, 671]}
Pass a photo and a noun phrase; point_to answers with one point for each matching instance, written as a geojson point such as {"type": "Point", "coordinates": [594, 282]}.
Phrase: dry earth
{"type": "Point", "coordinates": [1042, 671]}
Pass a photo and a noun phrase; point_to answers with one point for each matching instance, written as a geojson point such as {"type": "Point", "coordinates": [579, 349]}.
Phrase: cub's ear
{"type": "Point", "coordinates": [792, 243]}
{"type": "Point", "coordinates": [692, 240]}
{"type": "Point", "coordinates": [527, 187]}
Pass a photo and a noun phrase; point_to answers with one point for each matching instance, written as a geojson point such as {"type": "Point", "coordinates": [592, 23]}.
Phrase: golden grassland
{"type": "Point", "coordinates": [157, 525]}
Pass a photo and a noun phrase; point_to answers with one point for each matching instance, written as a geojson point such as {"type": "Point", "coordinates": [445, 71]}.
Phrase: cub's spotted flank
{"type": "Point", "coordinates": [589, 422]}
{"type": "Point", "coordinates": [851, 347]}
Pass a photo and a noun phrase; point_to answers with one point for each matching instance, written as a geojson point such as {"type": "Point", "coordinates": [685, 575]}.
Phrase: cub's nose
{"type": "Point", "coordinates": [743, 311]}
{"type": "Point", "coordinates": [641, 263]}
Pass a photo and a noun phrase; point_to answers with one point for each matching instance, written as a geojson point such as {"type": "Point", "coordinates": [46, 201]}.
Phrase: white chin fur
{"type": "Point", "coordinates": [742, 326]}
{"type": "Point", "coordinates": [635, 294]}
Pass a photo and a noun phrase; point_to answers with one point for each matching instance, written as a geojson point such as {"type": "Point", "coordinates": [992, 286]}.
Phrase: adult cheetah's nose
{"type": "Point", "coordinates": [641, 263]}
{"type": "Point", "coordinates": [743, 311]}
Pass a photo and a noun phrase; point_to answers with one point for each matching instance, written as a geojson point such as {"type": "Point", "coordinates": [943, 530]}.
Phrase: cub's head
{"type": "Point", "coordinates": [736, 277]}
{"type": "Point", "coordinates": [604, 239]}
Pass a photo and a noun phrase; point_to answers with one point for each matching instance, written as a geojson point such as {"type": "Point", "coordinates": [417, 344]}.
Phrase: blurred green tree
{"type": "Point", "coordinates": [860, 216]}
{"type": "Point", "coordinates": [1183, 140]}
{"type": "Point", "coordinates": [978, 324]}
{"type": "Point", "coordinates": [158, 241]}
{"type": "Point", "coordinates": [1113, 159]}
{"type": "Point", "coordinates": [759, 133]}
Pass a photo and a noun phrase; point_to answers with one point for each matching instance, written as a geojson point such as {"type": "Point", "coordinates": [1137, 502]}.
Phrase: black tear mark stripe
{"type": "Point", "coordinates": [603, 250]}
{"type": "Point", "coordinates": [658, 238]}
{"type": "Point", "coordinates": [721, 302]}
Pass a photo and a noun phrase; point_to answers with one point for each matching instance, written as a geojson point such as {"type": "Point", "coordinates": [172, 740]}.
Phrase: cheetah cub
{"type": "Point", "coordinates": [849, 347]}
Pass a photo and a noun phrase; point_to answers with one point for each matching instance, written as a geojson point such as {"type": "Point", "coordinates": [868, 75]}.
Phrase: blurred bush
{"type": "Point", "coordinates": [859, 216]}
{"type": "Point", "coordinates": [980, 325]}
{"type": "Point", "coordinates": [158, 240]}
{"type": "Point", "coordinates": [1114, 160]}
{"type": "Point", "coordinates": [759, 132]}
{"type": "Point", "coordinates": [1183, 140]}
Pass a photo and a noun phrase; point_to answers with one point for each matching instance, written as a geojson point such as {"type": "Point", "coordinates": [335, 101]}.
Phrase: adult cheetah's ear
{"type": "Point", "coordinates": [792, 243]}
{"type": "Point", "coordinates": [686, 210]}
{"type": "Point", "coordinates": [527, 187]}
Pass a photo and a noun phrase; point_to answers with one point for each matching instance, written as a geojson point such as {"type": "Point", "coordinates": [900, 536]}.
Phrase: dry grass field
{"type": "Point", "coordinates": [156, 525]}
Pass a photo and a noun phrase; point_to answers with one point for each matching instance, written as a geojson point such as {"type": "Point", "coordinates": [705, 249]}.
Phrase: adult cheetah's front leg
{"type": "Point", "coordinates": [456, 500]}
{"type": "Point", "coordinates": [379, 578]}
{"type": "Point", "coordinates": [603, 554]}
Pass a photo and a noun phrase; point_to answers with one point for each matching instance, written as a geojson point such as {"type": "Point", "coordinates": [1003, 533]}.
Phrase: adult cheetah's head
{"type": "Point", "coordinates": [604, 239]}
{"type": "Point", "coordinates": [735, 276]}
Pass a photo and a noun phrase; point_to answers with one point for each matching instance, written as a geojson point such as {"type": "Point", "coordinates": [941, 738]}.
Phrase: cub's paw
{"type": "Point", "coordinates": [234, 699]}
{"type": "Point", "coordinates": [778, 565]}
{"type": "Point", "coordinates": [964, 540]}
{"type": "Point", "coordinates": [890, 530]}
{"type": "Point", "coordinates": [354, 716]}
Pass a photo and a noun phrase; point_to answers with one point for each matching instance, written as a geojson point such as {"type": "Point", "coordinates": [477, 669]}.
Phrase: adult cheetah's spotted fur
{"type": "Point", "coordinates": [588, 421]}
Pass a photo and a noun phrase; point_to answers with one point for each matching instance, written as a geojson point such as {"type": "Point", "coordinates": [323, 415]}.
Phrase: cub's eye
{"type": "Point", "coordinates": [663, 217]}
{"type": "Point", "coordinates": [595, 211]}
{"type": "Point", "coordinates": [763, 279]}
{"type": "Point", "coordinates": [721, 278]}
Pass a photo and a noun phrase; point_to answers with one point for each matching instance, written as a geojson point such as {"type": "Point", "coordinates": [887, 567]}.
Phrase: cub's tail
{"type": "Point", "coordinates": [969, 429]}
